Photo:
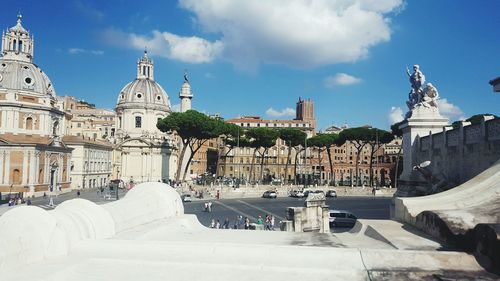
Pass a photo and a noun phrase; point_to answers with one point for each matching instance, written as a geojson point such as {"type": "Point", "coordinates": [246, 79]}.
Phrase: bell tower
{"type": "Point", "coordinates": [17, 43]}
{"type": "Point", "coordinates": [145, 67]}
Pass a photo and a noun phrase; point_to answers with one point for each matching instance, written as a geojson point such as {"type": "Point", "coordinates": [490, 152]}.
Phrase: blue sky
{"type": "Point", "coordinates": [259, 57]}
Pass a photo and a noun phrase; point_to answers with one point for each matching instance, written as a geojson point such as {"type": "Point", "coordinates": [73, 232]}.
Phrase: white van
{"type": "Point", "coordinates": [341, 218]}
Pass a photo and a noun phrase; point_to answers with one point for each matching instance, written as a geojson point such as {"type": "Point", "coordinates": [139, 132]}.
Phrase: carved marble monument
{"type": "Point", "coordinates": [422, 119]}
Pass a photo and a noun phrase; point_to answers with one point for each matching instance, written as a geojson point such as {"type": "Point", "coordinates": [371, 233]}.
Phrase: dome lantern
{"type": "Point", "coordinates": [17, 43]}
{"type": "Point", "coordinates": [145, 67]}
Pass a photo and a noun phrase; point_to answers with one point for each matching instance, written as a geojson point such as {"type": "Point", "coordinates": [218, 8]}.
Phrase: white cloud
{"type": "Point", "coordinates": [287, 112]}
{"type": "Point", "coordinates": [341, 79]}
{"type": "Point", "coordinates": [87, 10]}
{"type": "Point", "coordinates": [298, 33]}
{"type": "Point", "coordinates": [77, 51]}
{"type": "Point", "coordinates": [396, 115]}
{"type": "Point", "coordinates": [187, 49]}
{"type": "Point", "coordinates": [176, 107]}
{"type": "Point", "coordinates": [450, 110]}
{"type": "Point", "coordinates": [209, 75]}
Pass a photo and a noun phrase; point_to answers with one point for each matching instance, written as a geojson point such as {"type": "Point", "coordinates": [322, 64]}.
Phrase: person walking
{"type": "Point", "coordinates": [217, 224]}
{"type": "Point", "coordinates": [247, 223]}
{"type": "Point", "coordinates": [241, 222]}
{"type": "Point", "coordinates": [226, 223]}
{"type": "Point", "coordinates": [206, 206]}
{"type": "Point", "coordinates": [209, 207]}
{"type": "Point", "coordinates": [78, 193]}
{"type": "Point", "coordinates": [272, 222]}
{"type": "Point", "coordinates": [212, 224]}
{"type": "Point", "coordinates": [260, 221]}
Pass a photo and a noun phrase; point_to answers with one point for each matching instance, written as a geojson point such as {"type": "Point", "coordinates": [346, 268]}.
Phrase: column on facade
{"type": "Point", "coordinates": [124, 164]}
{"type": "Point", "coordinates": [6, 177]}
{"type": "Point", "coordinates": [68, 166]}
{"type": "Point", "coordinates": [2, 166]}
{"type": "Point", "coordinates": [26, 155]}
{"type": "Point", "coordinates": [37, 166]}
{"type": "Point", "coordinates": [32, 173]}
{"type": "Point", "coordinates": [47, 169]}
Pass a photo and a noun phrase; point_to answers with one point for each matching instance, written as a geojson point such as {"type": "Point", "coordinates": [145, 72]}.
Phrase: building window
{"type": "Point", "coordinates": [16, 177]}
{"type": "Point", "coordinates": [138, 121]}
{"type": "Point", "coordinates": [29, 123]}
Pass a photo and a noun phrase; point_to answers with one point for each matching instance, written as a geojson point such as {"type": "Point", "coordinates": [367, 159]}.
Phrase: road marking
{"type": "Point", "coordinates": [262, 210]}
{"type": "Point", "coordinates": [236, 210]}
{"type": "Point", "coordinates": [46, 206]}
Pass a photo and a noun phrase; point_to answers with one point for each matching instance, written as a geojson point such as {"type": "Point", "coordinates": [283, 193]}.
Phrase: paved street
{"type": "Point", "coordinates": [362, 207]}
{"type": "Point", "coordinates": [89, 194]}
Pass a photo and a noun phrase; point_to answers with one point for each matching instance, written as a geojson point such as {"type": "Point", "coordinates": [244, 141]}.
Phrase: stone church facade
{"type": "Point", "coordinates": [32, 121]}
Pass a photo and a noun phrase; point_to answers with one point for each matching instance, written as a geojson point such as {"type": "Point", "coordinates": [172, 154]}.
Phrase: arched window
{"type": "Point", "coordinates": [29, 123]}
{"type": "Point", "coordinates": [15, 45]}
{"type": "Point", "coordinates": [20, 46]}
{"type": "Point", "coordinates": [138, 121]}
{"type": "Point", "coordinates": [144, 70]}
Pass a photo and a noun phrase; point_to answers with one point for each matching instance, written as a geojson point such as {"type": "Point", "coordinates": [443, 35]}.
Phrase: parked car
{"type": "Point", "coordinates": [331, 193]}
{"type": "Point", "coordinates": [269, 194]}
{"type": "Point", "coordinates": [186, 198]}
{"type": "Point", "coordinates": [341, 218]}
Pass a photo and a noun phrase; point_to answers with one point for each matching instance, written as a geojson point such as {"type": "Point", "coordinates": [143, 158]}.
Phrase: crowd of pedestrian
{"type": "Point", "coordinates": [18, 201]}
{"type": "Point", "coordinates": [244, 223]}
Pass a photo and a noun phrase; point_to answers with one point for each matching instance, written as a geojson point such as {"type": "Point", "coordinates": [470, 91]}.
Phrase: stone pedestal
{"type": "Point", "coordinates": [422, 121]}
{"type": "Point", "coordinates": [311, 218]}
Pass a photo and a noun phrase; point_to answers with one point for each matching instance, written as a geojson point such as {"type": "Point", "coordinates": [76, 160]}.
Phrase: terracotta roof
{"type": "Point", "coordinates": [81, 140]}
{"type": "Point", "coordinates": [24, 139]}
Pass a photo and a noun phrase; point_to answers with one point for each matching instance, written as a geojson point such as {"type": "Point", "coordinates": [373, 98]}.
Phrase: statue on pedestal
{"type": "Point", "coordinates": [419, 96]}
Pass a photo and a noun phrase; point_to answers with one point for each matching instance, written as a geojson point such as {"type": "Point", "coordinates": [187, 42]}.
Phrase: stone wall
{"type": "Point", "coordinates": [458, 155]}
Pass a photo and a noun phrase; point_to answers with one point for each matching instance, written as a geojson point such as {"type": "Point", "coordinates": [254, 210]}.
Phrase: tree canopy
{"type": "Point", "coordinates": [194, 129]}
{"type": "Point", "coordinates": [474, 119]}
{"type": "Point", "coordinates": [292, 137]}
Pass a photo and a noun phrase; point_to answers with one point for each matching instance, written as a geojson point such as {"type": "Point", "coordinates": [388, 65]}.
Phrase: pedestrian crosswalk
{"type": "Point", "coordinates": [47, 206]}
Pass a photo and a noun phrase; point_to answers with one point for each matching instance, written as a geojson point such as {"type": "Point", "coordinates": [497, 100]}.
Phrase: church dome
{"type": "Point", "coordinates": [144, 92]}
{"type": "Point", "coordinates": [17, 70]}
{"type": "Point", "coordinates": [24, 76]}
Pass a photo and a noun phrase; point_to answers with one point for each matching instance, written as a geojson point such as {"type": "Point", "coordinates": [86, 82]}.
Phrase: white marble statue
{"type": "Point", "coordinates": [417, 79]}
{"type": "Point", "coordinates": [430, 96]}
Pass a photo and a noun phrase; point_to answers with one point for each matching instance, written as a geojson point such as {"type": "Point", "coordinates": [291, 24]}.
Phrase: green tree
{"type": "Point", "coordinates": [292, 139]}
{"type": "Point", "coordinates": [234, 136]}
{"type": "Point", "coordinates": [376, 139]}
{"type": "Point", "coordinates": [194, 129]}
{"type": "Point", "coordinates": [318, 142]}
{"type": "Point", "coordinates": [325, 142]}
{"type": "Point", "coordinates": [359, 137]}
{"type": "Point", "coordinates": [474, 119]}
{"type": "Point", "coordinates": [261, 139]}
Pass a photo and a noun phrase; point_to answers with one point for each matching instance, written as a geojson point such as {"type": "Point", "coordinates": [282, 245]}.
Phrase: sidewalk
{"type": "Point", "coordinates": [256, 191]}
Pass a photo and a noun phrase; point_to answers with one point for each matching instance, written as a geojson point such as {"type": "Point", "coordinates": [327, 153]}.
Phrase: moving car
{"type": "Point", "coordinates": [186, 198]}
{"type": "Point", "coordinates": [269, 194]}
{"type": "Point", "coordinates": [331, 193]}
{"type": "Point", "coordinates": [297, 193]}
{"type": "Point", "coordinates": [341, 218]}
{"type": "Point", "coordinates": [306, 193]}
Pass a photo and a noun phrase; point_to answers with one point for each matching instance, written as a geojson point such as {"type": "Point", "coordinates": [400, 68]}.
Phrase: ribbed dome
{"type": "Point", "coordinates": [143, 93]}
{"type": "Point", "coordinates": [25, 76]}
